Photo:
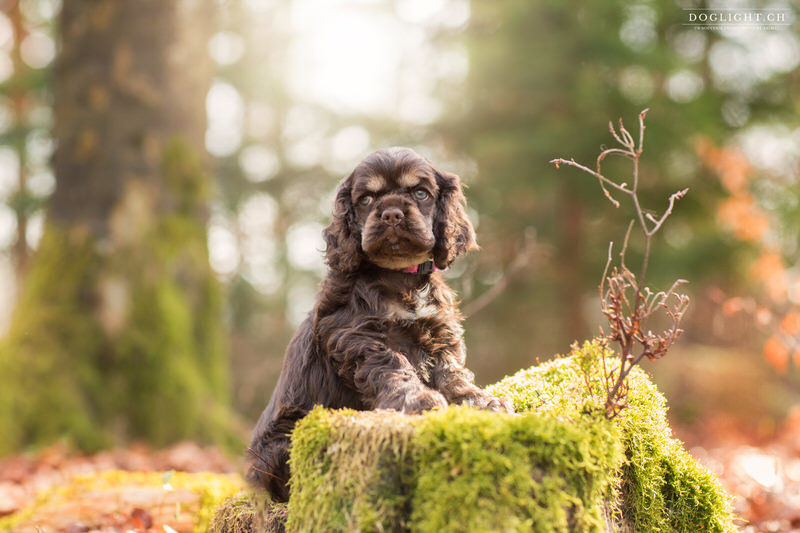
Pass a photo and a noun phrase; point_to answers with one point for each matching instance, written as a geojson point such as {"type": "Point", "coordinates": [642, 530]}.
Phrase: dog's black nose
{"type": "Point", "coordinates": [392, 216]}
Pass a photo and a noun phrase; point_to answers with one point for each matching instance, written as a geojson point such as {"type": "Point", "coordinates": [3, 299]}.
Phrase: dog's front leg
{"type": "Point", "coordinates": [457, 383]}
{"type": "Point", "coordinates": [392, 382]}
{"type": "Point", "coordinates": [384, 378]}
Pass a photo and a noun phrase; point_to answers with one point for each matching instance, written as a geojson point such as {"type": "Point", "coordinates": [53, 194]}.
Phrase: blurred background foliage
{"type": "Point", "coordinates": [303, 89]}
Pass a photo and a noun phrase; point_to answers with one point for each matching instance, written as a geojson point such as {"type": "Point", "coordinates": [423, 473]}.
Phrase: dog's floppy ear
{"type": "Point", "coordinates": [451, 227]}
{"type": "Point", "coordinates": [342, 236]}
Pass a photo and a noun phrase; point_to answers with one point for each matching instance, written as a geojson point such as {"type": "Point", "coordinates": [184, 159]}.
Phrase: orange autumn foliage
{"type": "Point", "coordinates": [742, 215]}
{"type": "Point", "coordinates": [790, 325]}
{"type": "Point", "coordinates": [770, 270]}
{"type": "Point", "coordinates": [731, 306]}
{"type": "Point", "coordinates": [777, 354]}
{"type": "Point", "coordinates": [733, 168]}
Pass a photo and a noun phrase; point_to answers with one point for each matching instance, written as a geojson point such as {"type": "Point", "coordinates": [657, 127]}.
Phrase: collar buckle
{"type": "Point", "coordinates": [426, 268]}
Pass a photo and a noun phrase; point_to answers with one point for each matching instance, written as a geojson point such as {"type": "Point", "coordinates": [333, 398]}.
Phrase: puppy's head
{"type": "Point", "coordinates": [396, 210]}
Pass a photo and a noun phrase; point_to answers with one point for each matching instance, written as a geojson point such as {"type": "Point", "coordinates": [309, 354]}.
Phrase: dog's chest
{"type": "Point", "coordinates": [409, 329]}
{"type": "Point", "coordinates": [412, 308]}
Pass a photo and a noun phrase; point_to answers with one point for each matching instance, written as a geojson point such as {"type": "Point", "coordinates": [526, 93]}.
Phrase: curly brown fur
{"type": "Point", "coordinates": [378, 337]}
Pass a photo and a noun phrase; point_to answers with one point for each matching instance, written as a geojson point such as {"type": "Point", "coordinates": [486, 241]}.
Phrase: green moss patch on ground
{"type": "Point", "coordinates": [117, 500]}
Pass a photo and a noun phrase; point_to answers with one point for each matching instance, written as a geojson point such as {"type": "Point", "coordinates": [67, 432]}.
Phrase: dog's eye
{"type": "Point", "coordinates": [365, 200]}
{"type": "Point", "coordinates": [421, 194]}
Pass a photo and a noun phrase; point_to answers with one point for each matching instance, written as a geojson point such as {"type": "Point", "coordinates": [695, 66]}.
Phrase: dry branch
{"type": "Point", "coordinates": [625, 301]}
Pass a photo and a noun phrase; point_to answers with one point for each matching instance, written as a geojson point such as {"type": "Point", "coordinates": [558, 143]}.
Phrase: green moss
{"type": "Point", "coordinates": [558, 387]}
{"type": "Point", "coordinates": [246, 513]}
{"type": "Point", "coordinates": [351, 471]}
{"type": "Point", "coordinates": [559, 465]}
{"type": "Point", "coordinates": [384, 471]}
{"type": "Point", "coordinates": [665, 488]}
{"type": "Point", "coordinates": [211, 489]}
{"type": "Point", "coordinates": [512, 473]}
{"type": "Point", "coordinates": [49, 359]}
{"type": "Point", "coordinates": [661, 487]}
{"type": "Point", "coordinates": [237, 515]}
{"type": "Point", "coordinates": [119, 336]}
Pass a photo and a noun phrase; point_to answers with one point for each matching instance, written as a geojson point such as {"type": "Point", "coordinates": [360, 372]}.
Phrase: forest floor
{"type": "Point", "coordinates": [764, 477]}
{"type": "Point", "coordinates": [24, 477]}
{"type": "Point", "coordinates": [762, 474]}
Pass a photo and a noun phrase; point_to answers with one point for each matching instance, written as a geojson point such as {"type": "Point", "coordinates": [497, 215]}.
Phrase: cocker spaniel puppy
{"type": "Point", "coordinates": [385, 332]}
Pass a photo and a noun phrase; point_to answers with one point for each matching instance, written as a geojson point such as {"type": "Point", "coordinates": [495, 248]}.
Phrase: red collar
{"type": "Point", "coordinates": [423, 268]}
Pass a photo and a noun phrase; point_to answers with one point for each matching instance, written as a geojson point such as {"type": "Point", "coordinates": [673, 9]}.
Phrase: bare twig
{"type": "Point", "coordinates": [626, 318]}
{"type": "Point", "coordinates": [520, 261]}
{"type": "Point", "coordinates": [603, 179]}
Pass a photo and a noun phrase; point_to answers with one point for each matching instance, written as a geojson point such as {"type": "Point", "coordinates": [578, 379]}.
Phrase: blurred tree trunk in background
{"type": "Point", "coordinates": [571, 283]}
{"type": "Point", "coordinates": [118, 326]}
{"type": "Point", "coordinates": [21, 96]}
{"type": "Point", "coordinates": [19, 99]}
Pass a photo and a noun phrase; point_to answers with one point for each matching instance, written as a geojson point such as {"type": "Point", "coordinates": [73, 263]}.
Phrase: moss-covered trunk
{"type": "Point", "coordinates": [556, 466]}
{"type": "Point", "coordinates": [117, 332]}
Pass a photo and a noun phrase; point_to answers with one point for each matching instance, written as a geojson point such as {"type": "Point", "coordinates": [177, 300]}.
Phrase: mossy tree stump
{"type": "Point", "coordinates": [558, 465]}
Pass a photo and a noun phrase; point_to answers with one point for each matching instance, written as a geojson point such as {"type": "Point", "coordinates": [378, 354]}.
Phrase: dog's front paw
{"type": "Point", "coordinates": [424, 400]}
{"type": "Point", "coordinates": [500, 403]}
{"type": "Point", "coordinates": [484, 400]}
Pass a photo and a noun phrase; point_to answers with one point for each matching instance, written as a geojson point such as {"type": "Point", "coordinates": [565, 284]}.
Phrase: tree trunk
{"type": "Point", "coordinates": [117, 332]}
{"type": "Point", "coordinates": [19, 96]}
{"type": "Point", "coordinates": [571, 282]}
